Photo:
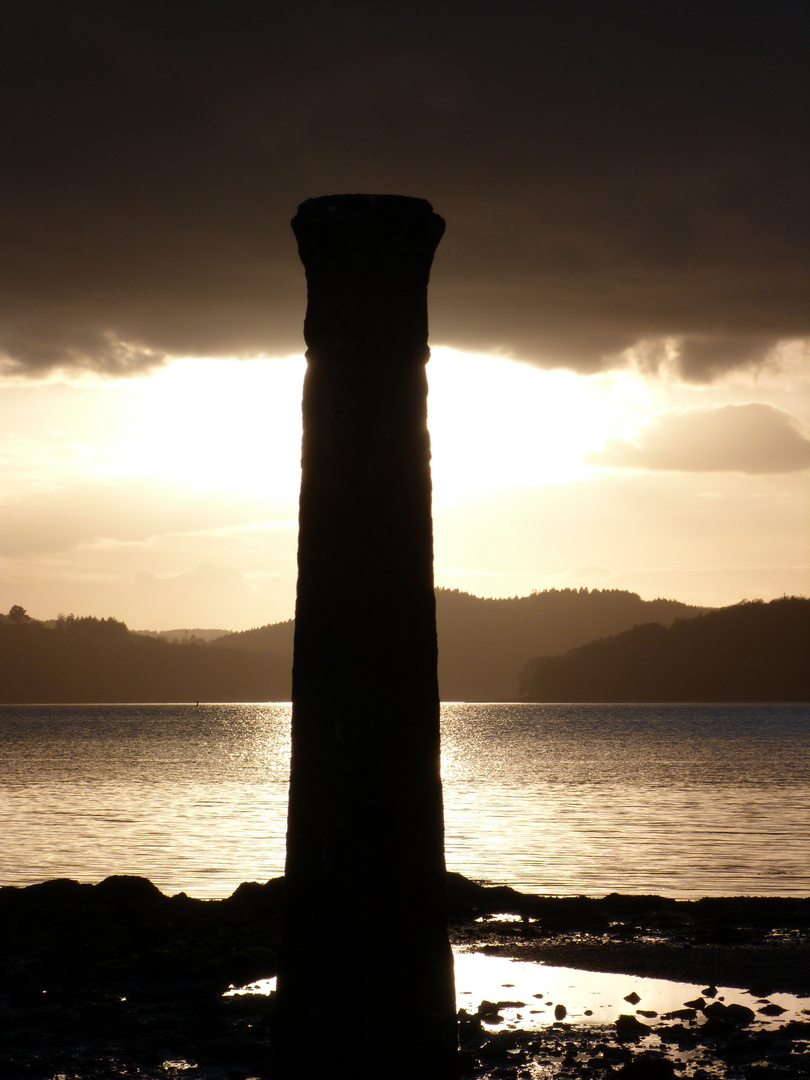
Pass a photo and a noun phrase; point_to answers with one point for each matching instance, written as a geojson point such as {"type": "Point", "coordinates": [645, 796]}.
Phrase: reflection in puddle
{"type": "Point", "coordinates": [589, 997]}
{"type": "Point", "coordinates": [529, 995]}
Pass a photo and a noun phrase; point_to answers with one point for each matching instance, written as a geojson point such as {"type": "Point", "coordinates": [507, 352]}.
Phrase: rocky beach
{"type": "Point", "coordinates": [117, 979]}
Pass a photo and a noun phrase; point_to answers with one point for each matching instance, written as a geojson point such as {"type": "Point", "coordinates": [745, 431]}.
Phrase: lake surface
{"type": "Point", "coordinates": [679, 800]}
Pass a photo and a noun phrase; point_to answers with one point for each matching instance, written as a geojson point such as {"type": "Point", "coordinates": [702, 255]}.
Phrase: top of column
{"type": "Point", "coordinates": [367, 260]}
{"type": "Point", "coordinates": [365, 211]}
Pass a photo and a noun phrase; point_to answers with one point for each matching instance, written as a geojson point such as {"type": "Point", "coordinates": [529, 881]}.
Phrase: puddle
{"type": "Point", "coordinates": [591, 997]}
{"type": "Point", "coordinates": [261, 986]}
{"type": "Point", "coordinates": [588, 997]}
{"type": "Point", "coordinates": [503, 917]}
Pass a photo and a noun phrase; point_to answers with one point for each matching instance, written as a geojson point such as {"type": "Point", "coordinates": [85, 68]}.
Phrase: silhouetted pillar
{"type": "Point", "coordinates": [365, 985]}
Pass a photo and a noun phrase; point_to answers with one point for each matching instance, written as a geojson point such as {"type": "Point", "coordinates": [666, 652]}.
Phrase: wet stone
{"type": "Point", "coordinates": [740, 1014]}
{"type": "Point", "coordinates": [644, 1068]}
{"type": "Point", "coordinates": [715, 1011]}
{"type": "Point", "coordinates": [488, 1011]}
{"type": "Point", "coordinates": [681, 1014]}
{"type": "Point", "coordinates": [771, 1009]}
{"type": "Point", "coordinates": [679, 1035]}
{"type": "Point", "coordinates": [628, 1027]}
{"type": "Point", "coordinates": [469, 1026]}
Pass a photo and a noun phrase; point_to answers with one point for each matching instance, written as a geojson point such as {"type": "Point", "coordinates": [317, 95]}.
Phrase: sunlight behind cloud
{"type": "Point", "coordinates": [234, 426]}
{"type": "Point", "coordinates": [497, 423]}
{"type": "Point", "coordinates": [222, 425]}
{"type": "Point", "coordinates": [198, 464]}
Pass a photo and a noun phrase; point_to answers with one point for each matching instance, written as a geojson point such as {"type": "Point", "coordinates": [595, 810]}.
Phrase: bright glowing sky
{"type": "Point", "coordinates": [170, 499]}
{"type": "Point", "coordinates": [625, 191]}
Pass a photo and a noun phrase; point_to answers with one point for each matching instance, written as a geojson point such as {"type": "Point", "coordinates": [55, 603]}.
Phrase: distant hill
{"type": "Point", "coordinates": [485, 643]}
{"type": "Point", "coordinates": [752, 651]}
{"type": "Point", "coordinates": [100, 660]}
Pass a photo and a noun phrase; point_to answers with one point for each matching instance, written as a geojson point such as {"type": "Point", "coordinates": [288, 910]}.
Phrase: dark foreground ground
{"type": "Point", "coordinates": [118, 980]}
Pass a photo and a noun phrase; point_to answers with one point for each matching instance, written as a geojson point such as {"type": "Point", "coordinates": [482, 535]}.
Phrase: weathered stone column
{"type": "Point", "coordinates": [365, 985]}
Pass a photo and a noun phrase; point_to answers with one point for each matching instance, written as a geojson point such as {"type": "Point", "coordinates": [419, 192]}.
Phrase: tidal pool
{"type": "Point", "coordinates": [590, 997]}
{"type": "Point", "coordinates": [529, 995]}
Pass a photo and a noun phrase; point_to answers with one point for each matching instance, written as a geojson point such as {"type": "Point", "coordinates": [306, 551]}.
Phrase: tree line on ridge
{"type": "Point", "coordinates": [99, 660]}
{"type": "Point", "coordinates": [538, 648]}
{"type": "Point", "coordinates": [752, 651]}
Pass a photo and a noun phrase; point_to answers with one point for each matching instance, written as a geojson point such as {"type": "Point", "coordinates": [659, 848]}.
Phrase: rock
{"type": "Point", "coordinates": [469, 1026]}
{"type": "Point", "coordinates": [709, 991]}
{"type": "Point", "coordinates": [628, 1027]}
{"type": "Point", "coordinates": [739, 1014]}
{"type": "Point", "coordinates": [466, 898]}
{"type": "Point", "coordinates": [771, 1009]}
{"type": "Point", "coordinates": [488, 1011]}
{"type": "Point", "coordinates": [128, 891]}
{"type": "Point", "coordinates": [696, 1003]}
{"type": "Point", "coordinates": [267, 897]}
{"type": "Point", "coordinates": [681, 1014]}
{"type": "Point", "coordinates": [633, 998]}
{"type": "Point", "coordinates": [679, 1035]}
{"type": "Point", "coordinates": [560, 1012]}
{"type": "Point", "coordinates": [647, 1069]}
{"type": "Point", "coordinates": [735, 1013]}
{"type": "Point", "coordinates": [715, 1011]}
{"type": "Point", "coordinates": [499, 1049]}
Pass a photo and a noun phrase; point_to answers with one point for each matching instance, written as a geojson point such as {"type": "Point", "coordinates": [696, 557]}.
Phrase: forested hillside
{"type": "Point", "coordinates": [749, 652]}
{"type": "Point", "coordinates": [484, 643]}
{"type": "Point", "coordinates": [274, 638]}
{"type": "Point", "coordinates": [100, 660]}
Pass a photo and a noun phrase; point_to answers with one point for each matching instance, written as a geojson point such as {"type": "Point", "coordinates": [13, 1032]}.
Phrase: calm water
{"type": "Point", "coordinates": [677, 800]}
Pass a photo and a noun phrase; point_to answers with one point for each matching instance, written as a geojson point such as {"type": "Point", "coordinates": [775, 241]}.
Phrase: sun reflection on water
{"type": "Point", "coordinates": [530, 996]}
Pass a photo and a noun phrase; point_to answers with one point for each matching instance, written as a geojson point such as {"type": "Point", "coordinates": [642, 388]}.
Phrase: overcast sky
{"type": "Point", "coordinates": [619, 308]}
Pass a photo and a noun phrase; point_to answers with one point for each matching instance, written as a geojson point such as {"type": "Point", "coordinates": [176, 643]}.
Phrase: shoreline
{"type": "Point", "coordinates": [768, 970]}
{"type": "Point", "coordinates": [746, 941]}
{"type": "Point", "coordinates": [119, 974]}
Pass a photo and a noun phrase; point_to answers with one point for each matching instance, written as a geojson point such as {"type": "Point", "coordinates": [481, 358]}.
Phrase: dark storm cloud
{"type": "Point", "coordinates": [751, 438]}
{"type": "Point", "coordinates": [609, 172]}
